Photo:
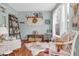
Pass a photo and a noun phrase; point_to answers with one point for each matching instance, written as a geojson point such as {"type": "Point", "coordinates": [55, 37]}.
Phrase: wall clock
{"type": "Point", "coordinates": [35, 20]}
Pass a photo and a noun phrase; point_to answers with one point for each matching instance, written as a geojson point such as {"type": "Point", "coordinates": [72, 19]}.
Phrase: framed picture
{"type": "Point", "coordinates": [47, 21]}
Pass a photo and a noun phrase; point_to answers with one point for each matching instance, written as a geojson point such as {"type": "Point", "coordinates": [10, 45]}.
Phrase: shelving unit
{"type": "Point", "coordinates": [14, 29]}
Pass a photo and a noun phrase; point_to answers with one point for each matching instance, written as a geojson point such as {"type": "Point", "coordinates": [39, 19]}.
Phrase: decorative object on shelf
{"type": "Point", "coordinates": [38, 14]}
{"type": "Point", "coordinates": [35, 32]}
{"type": "Point", "coordinates": [14, 29]}
{"type": "Point", "coordinates": [35, 14]}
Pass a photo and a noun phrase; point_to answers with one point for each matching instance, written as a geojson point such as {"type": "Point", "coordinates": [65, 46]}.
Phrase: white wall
{"type": "Point", "coordinates": [25, 29]}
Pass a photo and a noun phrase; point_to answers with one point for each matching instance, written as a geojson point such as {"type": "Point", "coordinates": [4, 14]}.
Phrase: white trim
{"type": "Point", "coordinates": [73, 45]}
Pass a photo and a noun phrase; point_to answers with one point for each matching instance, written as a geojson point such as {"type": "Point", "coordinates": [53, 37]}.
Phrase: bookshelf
{"type": "Point", "coordinates": [14, 30]}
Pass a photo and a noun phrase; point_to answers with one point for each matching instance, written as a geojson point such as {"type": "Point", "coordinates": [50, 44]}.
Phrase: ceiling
{"type": "Point", "coordinates": [32, 6]}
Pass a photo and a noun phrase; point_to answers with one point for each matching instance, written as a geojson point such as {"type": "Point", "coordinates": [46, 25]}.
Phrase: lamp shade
{"type": "Point", "coordinates": [3, 30]}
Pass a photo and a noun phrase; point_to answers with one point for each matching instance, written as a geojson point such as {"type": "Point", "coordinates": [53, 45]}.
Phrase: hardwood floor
{"type": "Point", "coordinates": [23, 51]}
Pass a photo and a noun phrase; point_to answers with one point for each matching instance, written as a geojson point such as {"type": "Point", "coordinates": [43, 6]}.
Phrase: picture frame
{"type": "Point", "coordinates": [47, 21]}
